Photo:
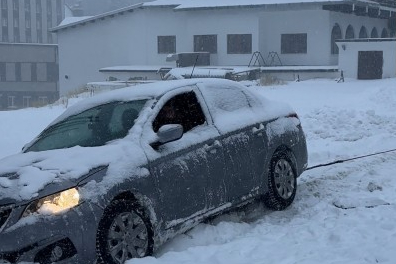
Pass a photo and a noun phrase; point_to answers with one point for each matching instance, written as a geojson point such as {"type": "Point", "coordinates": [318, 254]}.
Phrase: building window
{"type": "Point", "coordinates": [239, 43]}
{"type": "Point", "coordinates": [5, 35]}
{"type": "Point", "coordinates": [294, 43]}
{"type": "Point", "coordinates": [59, 12]}
{"type": "Point", "coordinates": [335, 35]}
{"type": "Point", "coordinates": [166, 44]}
{"type": "Point", "coordinates": [4, 22]}
{"type": "Point", "coordinates": [43, 100]}
{"type": "Point", "coordinates": [28, 34]}
{"type": "Point", "coordinates": [49, 21]}
{"type": "Point", "coordinates": [39, 36]}
{"type": "Point", "coordinates": [41, 70]}
{"type": "Point", "coordinates": [15, 5]}
{"type": "Point", "coordinates": [2, 71]}
{"type": "Point", "coordinates": [350, 33]}
{"type": "Point", "coordinates": [374, 33]}
{"type": "Point", "coordinates": [17, 38]}
{"type": "Point", "coordinates": [206, 43]}
{"type": "Point", "coordinates": [49, 7]}
{"type": "Point", "coordinates": [38, 6]}
{"type": "Point", "coordinates": [50, 38]}
{"type": "Point", "coordinates": [363, 32]}
{"type": "Point", "coordinates": [27, 22]}
{"type": "Point", "coordinates": [26, 72]}
{"type": "Point", "coordinates": [39, 24]}
{"type": "Point", "coordinates": [18, 72]}
{"type": "Point", "coordinates": [384, 33]}
{"type": "Point", "coordinates": [27, 5]}
{"type": "Point", "coordinates": [26, 101]}
{"type": "Point", "coordinates": [10, 72]}
{"type": "Point", "coordinates": [11, 102]}
{"type": "Point", "coordinates": [16, 22]}
{"type": "Point", "coordinates": [4, 5]}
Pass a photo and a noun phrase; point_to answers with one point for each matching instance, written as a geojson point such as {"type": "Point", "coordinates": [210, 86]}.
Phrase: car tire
{"type": "Point", "coordinates": [124, 233]}
{"type": "Point", "coordinates": [282, 181]}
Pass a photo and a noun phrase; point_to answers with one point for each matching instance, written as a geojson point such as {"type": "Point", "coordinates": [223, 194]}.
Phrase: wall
{"type": "Point", "coordinates": [313, 22]}
{"type": "Point", "coordinates": [86, 49]}
{"type": "Point", "coordinates": [348, 58]}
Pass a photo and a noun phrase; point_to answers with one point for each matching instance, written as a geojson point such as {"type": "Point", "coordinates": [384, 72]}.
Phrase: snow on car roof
{"type": "Point", "coordinates": [142, 91]}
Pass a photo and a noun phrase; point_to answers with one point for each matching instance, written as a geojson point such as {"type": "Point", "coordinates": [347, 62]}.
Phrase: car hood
{"type": "Point", "coordinates": [26, 176]}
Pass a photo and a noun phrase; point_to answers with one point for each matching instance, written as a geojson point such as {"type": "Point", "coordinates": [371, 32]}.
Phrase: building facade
{"type": "Point", "coordinates": [301, 33]}
{"type": "Point", "coordinates": [29, 68]}
{"type": "Point", "coordinates": [28, 75]}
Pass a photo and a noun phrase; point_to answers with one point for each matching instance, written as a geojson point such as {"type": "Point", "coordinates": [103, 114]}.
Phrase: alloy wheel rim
{"type": "Point", "coordinates": [127, 237]}
{"type": "Point", "coordinates": [284, 179]}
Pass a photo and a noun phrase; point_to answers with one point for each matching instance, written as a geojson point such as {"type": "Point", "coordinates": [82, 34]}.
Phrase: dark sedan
{"type": "Point", "coordinates": [120, 173]}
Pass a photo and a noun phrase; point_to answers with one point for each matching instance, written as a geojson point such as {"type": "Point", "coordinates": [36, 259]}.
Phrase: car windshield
{"type": "Point", "coordinates": [93, 127]}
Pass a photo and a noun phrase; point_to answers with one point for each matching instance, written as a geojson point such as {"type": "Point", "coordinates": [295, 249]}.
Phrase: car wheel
{"type": "Point", "coordinates": [282, 182]}
{"type": "Point", "coordinates": [124, 233]}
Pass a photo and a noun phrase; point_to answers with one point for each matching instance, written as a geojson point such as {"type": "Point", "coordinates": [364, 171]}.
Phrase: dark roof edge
{"type": "Point", "coordinates": [97, 17]}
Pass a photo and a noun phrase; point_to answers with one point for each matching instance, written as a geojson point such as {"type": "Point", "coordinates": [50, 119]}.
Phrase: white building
{"type": "Point", "coordinates": [301, 32]}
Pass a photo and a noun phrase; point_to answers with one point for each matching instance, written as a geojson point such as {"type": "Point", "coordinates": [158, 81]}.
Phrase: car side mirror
{"type": "Point", "coordinates": [169, 133]}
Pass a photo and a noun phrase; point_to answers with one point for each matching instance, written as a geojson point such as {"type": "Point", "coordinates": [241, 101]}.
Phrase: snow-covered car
{"type": "Point", "coordinates": [118, 174]}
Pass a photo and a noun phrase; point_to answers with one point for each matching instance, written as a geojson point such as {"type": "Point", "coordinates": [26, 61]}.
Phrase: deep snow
{"type": "Point", "coordinates": [341, 120]}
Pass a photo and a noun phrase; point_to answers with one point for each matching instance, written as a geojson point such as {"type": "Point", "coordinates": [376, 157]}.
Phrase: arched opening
{"type": "Point", "coordinates": [384, 33]}
{"type": "Point", "coordinates": [335, 35]}
{"type": "Point", "coordinates": [350, 33]}
{"type": "Point", "coordinates": [363, 32]}
{"type": "Point", "coordinates": [374, 33]}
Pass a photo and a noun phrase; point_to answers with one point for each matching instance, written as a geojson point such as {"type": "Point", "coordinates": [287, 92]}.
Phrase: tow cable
{"type": "Point", "coordinates": [350, 159]}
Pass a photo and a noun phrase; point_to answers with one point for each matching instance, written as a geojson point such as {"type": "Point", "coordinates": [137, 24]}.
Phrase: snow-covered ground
{"type": "Point", "coordinates": [341, 120]}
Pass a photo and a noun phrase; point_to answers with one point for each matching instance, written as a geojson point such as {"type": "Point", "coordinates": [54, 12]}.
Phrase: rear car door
{"type": "Point", "coordinates": [241, 137]}
{"type": "Point", "coordinates": [181, 169]}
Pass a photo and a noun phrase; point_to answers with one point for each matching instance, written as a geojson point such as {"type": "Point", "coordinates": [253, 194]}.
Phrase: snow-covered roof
{"type": "Point", "coordinates": [71, 20]}
{"type": "Point", "coordinates": [199, 4]}
{"type": "Point", "coordinates": [75, 21]}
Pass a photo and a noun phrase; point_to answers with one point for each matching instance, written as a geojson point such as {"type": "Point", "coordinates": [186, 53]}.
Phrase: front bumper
{"type": "Point", "coordinates": [66, 238]}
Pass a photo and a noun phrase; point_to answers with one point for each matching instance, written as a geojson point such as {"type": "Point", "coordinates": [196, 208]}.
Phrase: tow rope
{"type": "Point", "coordinates": [350, 159]}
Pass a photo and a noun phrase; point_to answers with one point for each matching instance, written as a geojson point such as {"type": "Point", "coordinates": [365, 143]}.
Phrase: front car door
{"type": "Point", "coordinates": [181, 168]}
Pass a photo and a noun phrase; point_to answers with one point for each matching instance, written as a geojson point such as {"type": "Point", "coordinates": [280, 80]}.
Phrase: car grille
{"type": "Point", "coordinates": [4, 215]}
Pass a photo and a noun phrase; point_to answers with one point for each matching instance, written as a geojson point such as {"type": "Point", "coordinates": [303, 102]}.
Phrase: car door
{"type": "Point", "coordinates": [182, 169]}
{"type": "Point", "coordinates": [230, 110]}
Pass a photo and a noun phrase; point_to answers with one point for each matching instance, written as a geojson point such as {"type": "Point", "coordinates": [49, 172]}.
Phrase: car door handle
{"type": "Point", "coordinates": [258, 130]}
{"type": "Point", "coordinates": [212, 147]}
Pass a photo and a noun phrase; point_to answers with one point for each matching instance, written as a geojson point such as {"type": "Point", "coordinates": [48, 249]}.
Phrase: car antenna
{"type": "Point", "coordinates": [195, 63]}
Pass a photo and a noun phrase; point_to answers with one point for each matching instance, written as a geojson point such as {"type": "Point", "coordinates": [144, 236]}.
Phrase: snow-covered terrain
{"type": "Point", "coordinates": [343, 213]}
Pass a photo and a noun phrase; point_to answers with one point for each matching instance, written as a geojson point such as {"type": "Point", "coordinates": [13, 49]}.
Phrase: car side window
{"type": "Point", "coordinates": [225, 99]}
{"type": "Point", "coordinates": [183, 109]}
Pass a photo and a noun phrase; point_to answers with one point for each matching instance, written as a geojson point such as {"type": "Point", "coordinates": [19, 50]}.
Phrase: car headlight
{"type": "Point", "coordinates": [55, 203]}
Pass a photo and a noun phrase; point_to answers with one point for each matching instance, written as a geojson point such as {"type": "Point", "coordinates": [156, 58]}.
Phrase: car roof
{"type": "Point", "coordinates": [138, 92]}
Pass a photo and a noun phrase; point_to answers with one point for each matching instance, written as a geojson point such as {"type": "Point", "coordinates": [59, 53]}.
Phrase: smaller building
{"type": "Point", "coordinates": [367, 59]}
{"type": "Point", "coordinates": [29, 75]}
